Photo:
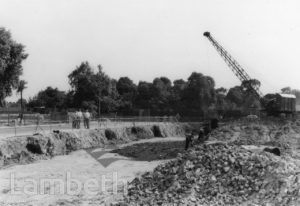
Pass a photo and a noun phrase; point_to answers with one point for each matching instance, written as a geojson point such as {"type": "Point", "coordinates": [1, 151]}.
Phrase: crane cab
{"type": "Point", "coordinates": [281, 103]}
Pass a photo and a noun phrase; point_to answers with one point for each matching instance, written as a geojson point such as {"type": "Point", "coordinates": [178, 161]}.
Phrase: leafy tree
{"type": "Point", "coordinates": [160, 95]}
{"type": "Point", "coordinates": [94, 88]}
{"type": "Point", "coordinates": [199, 94]}
{"type": "Point", "coordinates": [251, 100]}
{"type": "Point", "coordinates": [236, 95]}
{"type": "Point", "coordinates": [179, 84]}
{"type": "Point", "coordinates": [69, 99]}
{"type": "Point", "coordinates": [125, 85]}
{"type": "Point", "coordinates": [12, 55]}
{"type": "Point", "coordinates": [83, 84]}
{"type": "Point", "coordinates": [111, 101]}
{"type": "Point", "coordinates": [106, 86]}
{"type": "Point", "coordinates": [143, 95]}
{"type": "Point", "coordinates": [109, 104]}
{"type": "Point", "coordinates": [128, 91]}
{"type": "Point", "coordinates": [91, 106]}
{"type": "Point", "coordinates": [49, 98]}
{"type": "Point", "coordinates": [176, 95]}
{"type": "Point", "coordinates": [243, 97]}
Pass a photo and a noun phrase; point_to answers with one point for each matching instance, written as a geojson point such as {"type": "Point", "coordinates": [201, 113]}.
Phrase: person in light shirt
{"type": "Point", "coordinates": [86, 119]}
{"type": "Point", "coordinates": [79, 117]}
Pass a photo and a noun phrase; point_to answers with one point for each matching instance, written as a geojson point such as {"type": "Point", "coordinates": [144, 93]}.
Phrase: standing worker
{"type": "Point", "coordinates": [201, 137]}
{"type": "Point", "coordinates": [189, 137]}
{"type": "Point", "coordinates": [86, 119]}
{"type": "Point", "coordinates": [79, 117]}
{"type": "Point", "coordinates": [214, 123]}
{"type": "Point", "coordinates": [72, 119]}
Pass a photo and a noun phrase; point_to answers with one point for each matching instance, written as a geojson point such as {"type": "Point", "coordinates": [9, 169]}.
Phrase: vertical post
{"type": "Point", "coordinates": [15, 128]}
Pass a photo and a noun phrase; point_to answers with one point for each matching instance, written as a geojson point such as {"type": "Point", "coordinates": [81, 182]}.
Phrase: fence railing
{"type": "Point", "coordinates": [46, 126]}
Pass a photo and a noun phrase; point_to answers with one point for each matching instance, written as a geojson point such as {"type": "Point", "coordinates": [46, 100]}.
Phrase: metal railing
{"type": "Point", "coordinates": [43, 127]}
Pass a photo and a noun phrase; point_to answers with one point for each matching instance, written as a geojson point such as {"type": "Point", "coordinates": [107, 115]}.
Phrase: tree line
{"type": "Point", "coordinates": [94, 90]}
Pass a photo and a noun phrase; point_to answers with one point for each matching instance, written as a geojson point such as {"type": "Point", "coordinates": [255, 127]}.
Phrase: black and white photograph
{"type": "Point", "coordinates": [149, 103]}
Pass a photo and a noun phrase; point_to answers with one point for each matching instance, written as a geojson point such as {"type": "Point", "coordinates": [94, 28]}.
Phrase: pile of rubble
{"type": "Point", "coordinates": [285, 135]}
{"type": "Point", "coordinates": [218, 174]}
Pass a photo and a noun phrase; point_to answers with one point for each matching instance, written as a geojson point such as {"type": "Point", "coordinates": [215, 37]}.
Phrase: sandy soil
{"type": "Point", "coordinates": [84, 177]}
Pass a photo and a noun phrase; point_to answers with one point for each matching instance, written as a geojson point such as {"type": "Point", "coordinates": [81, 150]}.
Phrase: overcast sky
{"type": "Point", "coordinates": [144, 39]}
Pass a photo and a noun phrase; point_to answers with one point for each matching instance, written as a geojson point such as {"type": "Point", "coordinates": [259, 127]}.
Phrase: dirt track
{"type": "Point", "coordinates": [83, 165]}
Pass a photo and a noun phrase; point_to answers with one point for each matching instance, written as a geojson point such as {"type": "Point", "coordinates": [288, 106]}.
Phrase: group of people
{"type": "Point", "coordinates": [79, 116]}
{"type": "Point", "coordinates": [203, 133]}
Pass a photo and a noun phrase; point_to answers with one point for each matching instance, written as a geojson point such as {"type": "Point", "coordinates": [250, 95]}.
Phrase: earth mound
{"type": "Point", "coordinates": [282, 134]}
{"type": "Point", "coordinates": [218, 174]}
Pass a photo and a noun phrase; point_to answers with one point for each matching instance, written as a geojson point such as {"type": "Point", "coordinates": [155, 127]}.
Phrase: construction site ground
{"type": "Point", "coordinates": [83, 165]}
{"type": "Point", "coordinates": [237, 166]}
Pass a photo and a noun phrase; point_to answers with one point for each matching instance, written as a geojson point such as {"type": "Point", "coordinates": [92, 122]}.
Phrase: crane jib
{"type": "Point", "coordinates": [232, 64]}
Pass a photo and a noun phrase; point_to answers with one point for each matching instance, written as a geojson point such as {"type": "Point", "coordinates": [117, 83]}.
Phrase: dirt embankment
{"type": "Point", "coordinates": [234, 169]}
{"type": "Point", "coordinates": [282, 134]}
{"type": "Point", "coordinates": [26, 149]}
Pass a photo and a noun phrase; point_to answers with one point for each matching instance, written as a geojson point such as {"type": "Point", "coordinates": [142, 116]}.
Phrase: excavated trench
{"type": "Point", "coordinates": [26, 149]}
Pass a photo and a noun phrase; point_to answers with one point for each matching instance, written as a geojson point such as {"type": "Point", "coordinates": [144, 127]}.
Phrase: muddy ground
{"type": "Point", "coordinates": [152, 151]}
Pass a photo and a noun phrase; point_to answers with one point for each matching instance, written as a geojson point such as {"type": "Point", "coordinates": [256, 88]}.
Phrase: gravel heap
{"type": "Point", "coordinates": [285, 135]}
{"type": "Point", "coordinates": [217, 174]}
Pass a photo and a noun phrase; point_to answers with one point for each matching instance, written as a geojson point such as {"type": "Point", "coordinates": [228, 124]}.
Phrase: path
{"type": "Point", "coordinates": [62, 175]}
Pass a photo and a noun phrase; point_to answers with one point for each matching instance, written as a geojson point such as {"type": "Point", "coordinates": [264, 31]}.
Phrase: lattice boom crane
{"type": "Point", "coordinates": [275, 104]}
{"type": "Point", "coordinates": [233, 64]}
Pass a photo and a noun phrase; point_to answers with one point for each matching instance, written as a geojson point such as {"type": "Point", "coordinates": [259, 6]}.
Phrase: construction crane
{"type": "Point", "coordinates": [279, 103]}
{"type": "Point", "coordinates": [233, 64]}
